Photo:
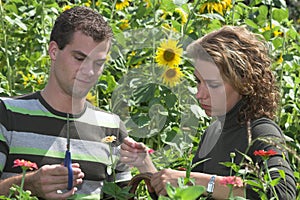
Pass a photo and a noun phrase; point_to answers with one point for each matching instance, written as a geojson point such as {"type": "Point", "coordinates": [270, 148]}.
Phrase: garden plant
{"type": "Point", "coordinates": [148, 80]}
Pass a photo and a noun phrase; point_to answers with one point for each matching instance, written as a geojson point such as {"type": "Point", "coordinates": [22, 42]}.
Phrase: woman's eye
{"type": "Point", "coordinates": [214, 86]}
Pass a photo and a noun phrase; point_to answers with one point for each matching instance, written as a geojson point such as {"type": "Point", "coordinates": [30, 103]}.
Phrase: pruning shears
{"type": "Point", "coordinates": [68, 160]}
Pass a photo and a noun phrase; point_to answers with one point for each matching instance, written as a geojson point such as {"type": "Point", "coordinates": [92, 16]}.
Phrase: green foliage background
{"type": "Point", "coordinates": [131, 84]}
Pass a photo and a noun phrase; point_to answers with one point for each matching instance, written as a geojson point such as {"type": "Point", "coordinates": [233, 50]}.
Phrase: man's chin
{"type": "Point", "coordinates": [79, 94]}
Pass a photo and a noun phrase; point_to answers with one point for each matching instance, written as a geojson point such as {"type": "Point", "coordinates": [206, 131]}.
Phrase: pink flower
{"type": "Point", "coordinates": [150, 151]}
{"type": "Point", "coordinates": [232, 180]}
{"type": "Point", "coordinates": [265, 154]}
{"type": "Point", "coordinates": [25, 164]}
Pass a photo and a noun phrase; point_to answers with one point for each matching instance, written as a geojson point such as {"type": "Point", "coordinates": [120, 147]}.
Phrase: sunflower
{"type": "Point", "coordinates": [121, 4]}
{"type": "Point", "coordinates": [91, 98]}
{"type": "Point", "coordinates": [169, 53]}
{"type": "Point", "coordinates": [275, 32]}
{"type": "Point", "coordinates": [124, 24]}
{"type": "Point", "coordinates": [148, 3]}
{"type": "Point", "coordinates": [280, 59]}
{"type": "Point", "coordinates": [182, 14]}
{"type": "Point", "coordinates": [172, 76]}
{"type": "Point", "coordinates": [221, 6]}
{"type": "Point", "coordinates": [66, 7]}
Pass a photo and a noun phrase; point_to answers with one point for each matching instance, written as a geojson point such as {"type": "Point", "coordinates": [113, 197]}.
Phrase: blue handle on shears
{"type": "Point", "coordinates": [68, 164]}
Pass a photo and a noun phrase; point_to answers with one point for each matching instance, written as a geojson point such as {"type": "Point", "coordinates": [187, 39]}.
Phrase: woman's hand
{"type": "Point", "coordinates": [160, 179]}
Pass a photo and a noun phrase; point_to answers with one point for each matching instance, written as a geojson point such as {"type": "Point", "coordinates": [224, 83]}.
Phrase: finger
{"type": "Point", "coordinates": [127, 147]}
{"type": "Point", "coordinates": [140, 145]}
{"type": "Point", "coordinates": [75, 165]}
{"type": "Point", "coordinates": [54, 170]}
{"type": "Point", "coordinates": [129, 141]}
{"type": "Point", "coordinates": [55, 195]}
{"type": "Point", "coordinates": [127, 160]}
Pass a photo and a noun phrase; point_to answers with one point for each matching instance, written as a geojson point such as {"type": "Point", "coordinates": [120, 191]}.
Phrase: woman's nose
{"type": "Point", "coordinates": [202, 92]}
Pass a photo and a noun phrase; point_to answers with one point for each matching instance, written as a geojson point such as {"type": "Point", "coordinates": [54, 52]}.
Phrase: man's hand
{"type": "Point", "coordinates": [136, 154]}
{"type": "Point", "coordinates": [133, 153]}
{"type": "Point", "coordinates": [48, 181]}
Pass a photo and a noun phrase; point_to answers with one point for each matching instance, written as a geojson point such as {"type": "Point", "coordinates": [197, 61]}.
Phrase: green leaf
{"type": "Point", "coordinates": [251, 23]}
{"type": "Point", "coordinates": [141, 11]}
{"type": "Point", "coordinates": [190, 193]}
{"type": "Point", "coordinates": [253, 183]}
{"type": "Point", "coordinates": [144, 93]}
{"type": "Point", "coordinates": [110, 83]}
{"type": "Point", "coordinates": [277, 42]}
{"type": "Point", "coordinates": [170, 99]}
{"type": "Point", "coordinates": [168, 5]}
{"type": "Point", "coordinates": [170, 190]}
{"type": "Point", "coordinates": [280, 14]}
{"type": "Point", "coordinates": [255, 2]}
{"type": "Point", "coordinates": [275, 181]}
{"type": "Point", "coordinates": [263, 13]}
{"type": "Point", "coordinates": [282, 173]}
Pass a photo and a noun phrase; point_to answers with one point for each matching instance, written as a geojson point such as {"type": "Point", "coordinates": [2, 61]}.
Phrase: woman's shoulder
{"type": "Point", "coordinates": [265, 127]}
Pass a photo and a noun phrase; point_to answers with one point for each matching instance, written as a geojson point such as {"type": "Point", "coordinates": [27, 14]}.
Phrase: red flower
{"type": "Point", "coordinates": [232, 180]}
{"type": "Point", "coordinates": [181, 168]}
{"type": "Point", "coordinates": [264, 153]}
{"type": "Point", "coordinates": [150, 151]}
{"type": "Point", "coordinates": [25, 164]}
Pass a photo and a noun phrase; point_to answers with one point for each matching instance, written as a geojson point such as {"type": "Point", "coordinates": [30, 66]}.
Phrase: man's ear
{"type": "Point", "coordinates": [52, 50]}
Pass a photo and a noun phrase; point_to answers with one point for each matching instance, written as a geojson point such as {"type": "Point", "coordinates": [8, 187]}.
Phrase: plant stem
{"type": "Point", "coordinates": [9, 70]}
{"type": "Point", "coordinates": [270, 179]}
{"type": "Point", "coordinates": [112, 163]}
{"type": "Point", "coordinates": [191, 14]}
{"type": "Point", "coordinates": [113, 10]}
{"type": "Point", "coordinates": [233, 8]}
{"type": "Point", "coordinates": [22, 183]}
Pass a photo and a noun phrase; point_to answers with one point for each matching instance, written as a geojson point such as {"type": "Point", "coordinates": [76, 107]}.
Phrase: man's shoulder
{"type": "Point", "coordinates": [20, 99]}
{"type": "Point", "coordinates": [34, 95]}
{"type": "Point", "coordinates": [100, 111]}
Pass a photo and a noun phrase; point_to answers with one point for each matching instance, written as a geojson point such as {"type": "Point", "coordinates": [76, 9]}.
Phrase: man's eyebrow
{"type": "Point", "coordinates": [79, 52]}
{"type": "Point", "coordinates": [85, 56]}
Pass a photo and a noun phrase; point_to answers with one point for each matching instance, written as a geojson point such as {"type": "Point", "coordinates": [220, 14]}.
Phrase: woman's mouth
{"type": "Point", "coordinates": [205, 107]}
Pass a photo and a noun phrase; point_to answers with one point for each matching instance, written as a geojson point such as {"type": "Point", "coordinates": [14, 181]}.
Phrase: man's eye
{"type": "Point", "coordinates": [79, 58]}
{"type": "Point", "coordinates": [99, 64]}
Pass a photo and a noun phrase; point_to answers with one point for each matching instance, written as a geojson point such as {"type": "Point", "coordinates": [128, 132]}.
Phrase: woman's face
{"type": "Point", "coordinates": [215, 96]}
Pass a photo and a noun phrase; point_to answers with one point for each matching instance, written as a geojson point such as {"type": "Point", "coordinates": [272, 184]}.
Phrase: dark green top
{"type": "Point", "coordinates": [226, 135]}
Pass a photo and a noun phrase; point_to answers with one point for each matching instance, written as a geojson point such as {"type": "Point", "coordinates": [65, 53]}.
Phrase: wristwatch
{"type": "Point", "coordinates": [210, 186]}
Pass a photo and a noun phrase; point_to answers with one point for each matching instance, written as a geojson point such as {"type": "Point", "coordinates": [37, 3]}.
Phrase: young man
{"type": "Point", "coordinates": [39, 127]}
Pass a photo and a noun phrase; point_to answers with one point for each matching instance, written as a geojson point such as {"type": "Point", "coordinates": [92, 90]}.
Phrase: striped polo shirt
{"type": "Point", "coordinates": [30, 129]}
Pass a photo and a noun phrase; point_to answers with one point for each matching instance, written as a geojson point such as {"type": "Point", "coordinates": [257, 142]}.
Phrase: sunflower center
{"type": "Point", "coordinates": [170, 73]}
{"type": "Point", "coordinates": [169, 54]}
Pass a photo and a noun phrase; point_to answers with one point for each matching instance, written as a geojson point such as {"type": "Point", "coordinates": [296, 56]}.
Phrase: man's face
{"type": "Point", "coordinates": [78, 66]}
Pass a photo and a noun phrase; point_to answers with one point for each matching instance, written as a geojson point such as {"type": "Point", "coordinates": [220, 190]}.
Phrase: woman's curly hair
{"type": "Point", "coordinates": [243, 60]}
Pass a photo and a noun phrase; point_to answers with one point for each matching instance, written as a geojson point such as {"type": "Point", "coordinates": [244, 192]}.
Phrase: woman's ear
{"type": "Point", "coordinates": [52, 50]}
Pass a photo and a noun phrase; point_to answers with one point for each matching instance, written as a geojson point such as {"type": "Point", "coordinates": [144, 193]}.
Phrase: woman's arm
{"type": "Point", "coordinates": [220, 191]}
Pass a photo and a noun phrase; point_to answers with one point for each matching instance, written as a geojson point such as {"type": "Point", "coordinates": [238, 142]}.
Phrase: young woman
{"type": "Point", "coordinates": [236, 87]}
